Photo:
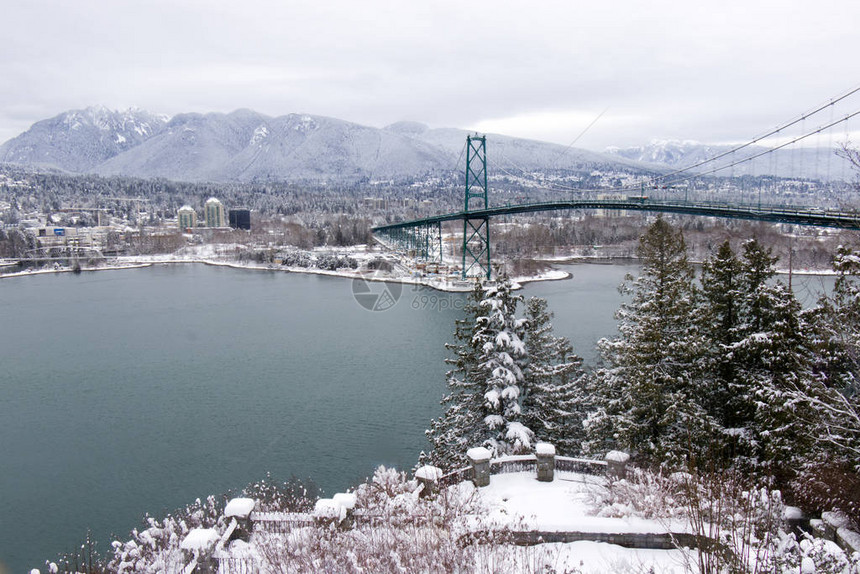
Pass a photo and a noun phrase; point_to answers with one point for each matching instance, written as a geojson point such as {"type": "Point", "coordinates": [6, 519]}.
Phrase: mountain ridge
{"type": "Point", "coordinates": [245, 145]}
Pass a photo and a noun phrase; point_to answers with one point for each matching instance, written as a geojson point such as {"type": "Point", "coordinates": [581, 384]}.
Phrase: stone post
{"type": "Point", "coordinates": [347, 501]}
{"type": "Point", "coordinates": [428, 477]}
{"type": "Point", "coordinates": [795, 521]}
{"type": "Point", "coordinates": [480, 459]}
{"type": "Point", "coordinates": [616, 464]}
{"type": "Point", "coordinates": [241, 509]}
{"type": "Point", "coordinates": [327, 512]}
{"type": "Point", "coordinates": [545, 455]}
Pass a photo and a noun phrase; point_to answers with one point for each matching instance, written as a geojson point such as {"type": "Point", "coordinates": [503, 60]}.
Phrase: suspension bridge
{"type": "Point", "coordinates": [423, 237]}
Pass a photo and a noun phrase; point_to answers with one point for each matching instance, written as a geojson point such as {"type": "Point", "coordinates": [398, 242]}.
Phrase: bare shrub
{"type": "Point", "coordinates": [643, 494]}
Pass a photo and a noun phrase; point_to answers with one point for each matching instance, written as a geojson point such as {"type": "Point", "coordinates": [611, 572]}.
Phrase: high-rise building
{"type": "Point", "coordinates": [186, 217]}
{"type": "Point", "coordinates": [240, 219]}
{"type": "Point", "coordinates": [214, 213]}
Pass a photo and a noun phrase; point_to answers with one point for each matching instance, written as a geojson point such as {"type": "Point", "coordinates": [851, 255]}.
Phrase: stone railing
{"type": "Point", "coordinates": [203, 546]}
{"type": "Point", "coordinates": [835, 526]}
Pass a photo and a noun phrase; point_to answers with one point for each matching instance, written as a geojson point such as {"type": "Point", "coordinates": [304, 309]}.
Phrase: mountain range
{"type": "Point", "coordinates": [820, 163]}
{"type": "Point", "coordinates": [248, 146]}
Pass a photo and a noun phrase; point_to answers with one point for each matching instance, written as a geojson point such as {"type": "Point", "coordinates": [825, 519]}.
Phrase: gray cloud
{"type": "Point", "coordinates": [663, 69]}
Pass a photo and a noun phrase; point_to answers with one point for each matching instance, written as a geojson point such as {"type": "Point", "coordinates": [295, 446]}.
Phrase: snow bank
{"type": "Point", "coordinates": [521, 501]}
{"type": "Point", "coordinates": [617, 456]}
{"type": "Point", "coordinates": [328, 508]}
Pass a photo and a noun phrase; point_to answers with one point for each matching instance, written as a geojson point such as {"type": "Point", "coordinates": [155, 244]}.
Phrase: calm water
{"type": "Point", "coordinates": [126, 392]}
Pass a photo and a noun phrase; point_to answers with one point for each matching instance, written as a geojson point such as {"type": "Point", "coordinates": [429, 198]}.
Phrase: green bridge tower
{"type": "Point", "coordinates": [476, 230]}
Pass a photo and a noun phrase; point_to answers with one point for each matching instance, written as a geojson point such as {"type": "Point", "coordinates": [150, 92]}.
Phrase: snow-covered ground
{"type": "Point", "coordinates": [225, 255]}
{"type": "Point", "coordinates": [564, 505]}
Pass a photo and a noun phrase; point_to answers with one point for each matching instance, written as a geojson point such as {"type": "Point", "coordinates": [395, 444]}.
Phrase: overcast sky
{"type": "Point", "coordinates": [713, 71]}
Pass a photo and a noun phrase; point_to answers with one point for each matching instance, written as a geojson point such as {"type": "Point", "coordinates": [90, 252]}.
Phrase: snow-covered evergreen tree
{"type": "Point", "coordinates": [773, 363]}
{"type": "Point", "coordinates": [647, 387]}
{"type": "Point", "coordinates": [556, 399]}
{"type": "Point", "coordinates": [718, 320]}
{"type": "Point", "coordinates": [458, 429]}
{"type": "Point", "coordinates": [499, 334]}
{"type": "Point", "coordinates": [836, 324]}
{"type": "Point", "coordinates": [830, 408]}
{"type": "Point", "coordinates": [486, 381]}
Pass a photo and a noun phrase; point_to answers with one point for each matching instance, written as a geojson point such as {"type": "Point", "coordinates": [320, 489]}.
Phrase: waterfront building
{"type": "Point", "coordinates": [214, 213]}
{"type": "Point", "coordinates": [186, 217]}
{"type": "Point", "coordinates": [240, 219]}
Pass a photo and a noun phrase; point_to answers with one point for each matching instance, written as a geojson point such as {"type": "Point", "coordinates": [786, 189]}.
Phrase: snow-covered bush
{"type": "Point", "coordinates": [155, 548]}
{"type": "Point", "coordinates": [394, 531]}
{"type": "Point", "coordinates": [334, 262]}
{"type": "Point", "coordinates": [642, 494]}
{"type": "Point", "coordinates": [294, 495]}
{"type": "Point", "coordinates": [297, 259]}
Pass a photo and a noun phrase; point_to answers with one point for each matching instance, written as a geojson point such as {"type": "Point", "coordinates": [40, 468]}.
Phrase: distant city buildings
{"type": "Point", "coordinates": [240, 219]}
{"type": "Point", "coordinates": [186, 217]}
{"type": "Point", "coordinates": [214, 216]}
{"type": "Point", "coordinates": [213, 213]}
{"type": "Point", "coordinates": [610, 213]}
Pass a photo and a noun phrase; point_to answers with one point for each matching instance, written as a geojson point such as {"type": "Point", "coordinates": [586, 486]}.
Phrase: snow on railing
{"type": "Point", "coordinates": [510, 464]}
{"type": "Point", "coordinates": [280, 522]}
{"type": "Point", "coordinates": [581, 465]}
{"type": "Point", "coordinates": [455, 477]}
{"type": "Point", "coordinates": [226, 536]}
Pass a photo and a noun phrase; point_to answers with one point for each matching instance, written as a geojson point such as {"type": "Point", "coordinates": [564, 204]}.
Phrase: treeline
{"type": "Point", "coordinates": [711, 372]}
{"type": "Point", "coordinates": [594, 235]}
{"type": "Point", "coordinates": [29, 191]}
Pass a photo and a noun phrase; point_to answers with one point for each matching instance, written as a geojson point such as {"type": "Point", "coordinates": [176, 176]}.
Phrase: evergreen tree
{"type": "Point", "coordinates": [458, 429]}
{"type": "Point", "coordinates": [836, 327]}
{"type": "Point", "coordinates": [555, 403]}
{"type": "Point", "coordinates": [773, 361]}
{"type": "Point", "coordinates": [498, 335]}
{"type": "Point", "coordinates": [647, 387]}
{"type": "Point", "coordinates": [485, 383]}
{"type": "Point", "coordinates": [833, 402]}
{"type": "Point", "coordinates": [719, 318]}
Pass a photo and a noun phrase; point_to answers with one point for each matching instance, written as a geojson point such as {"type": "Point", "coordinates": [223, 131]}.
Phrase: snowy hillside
{"type": "Point", "coordinates": [248, 146]}
{"type": "Point", "coordinates": [79, 140]}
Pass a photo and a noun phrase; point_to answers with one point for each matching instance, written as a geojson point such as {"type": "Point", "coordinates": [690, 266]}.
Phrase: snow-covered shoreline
{"type": "Point", "coordinates": [439, 284]}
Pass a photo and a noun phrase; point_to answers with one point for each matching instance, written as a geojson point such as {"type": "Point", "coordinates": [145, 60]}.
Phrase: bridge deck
{"type": "Point", "coordinates": [777, 214]}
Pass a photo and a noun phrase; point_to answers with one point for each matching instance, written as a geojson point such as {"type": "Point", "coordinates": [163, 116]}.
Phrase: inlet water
{"type": "Point", "coordinates": [137, 391]}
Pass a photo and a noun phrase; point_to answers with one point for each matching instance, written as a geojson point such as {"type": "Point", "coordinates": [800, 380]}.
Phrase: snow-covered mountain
{"type": "Point", "coordinates": [80, 140]}
{"type": "Point", "coordinates": [246, 146]}
{"type": "Point", "coordinates": [790, 162]}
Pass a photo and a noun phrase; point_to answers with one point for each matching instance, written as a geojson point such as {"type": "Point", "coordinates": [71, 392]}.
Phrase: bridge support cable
{"type": "Point", "coordinates": [476, 230]}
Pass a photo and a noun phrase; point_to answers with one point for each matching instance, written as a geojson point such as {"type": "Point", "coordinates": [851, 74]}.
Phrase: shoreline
{"type": "Point", "coordinates": [443, 285]}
